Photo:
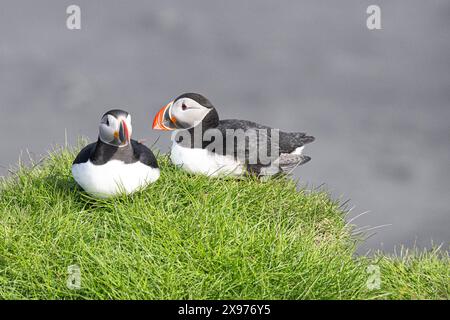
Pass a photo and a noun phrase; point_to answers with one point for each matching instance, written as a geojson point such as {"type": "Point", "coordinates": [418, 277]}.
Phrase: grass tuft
{"type": "Point", "coordinates": [190, 237]}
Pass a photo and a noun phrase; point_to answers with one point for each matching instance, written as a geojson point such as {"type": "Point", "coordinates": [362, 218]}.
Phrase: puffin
{"type": "Point", "coordinates": [204, 144]}
{"type": "Point", "coordinates": [115, 164]}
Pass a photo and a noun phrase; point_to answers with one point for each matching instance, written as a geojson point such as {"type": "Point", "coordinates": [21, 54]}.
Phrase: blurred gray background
{"type": "Point", "coordinates": [378, 102]}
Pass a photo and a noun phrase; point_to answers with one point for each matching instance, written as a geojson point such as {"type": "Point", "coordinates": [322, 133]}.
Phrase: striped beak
{"type": "Point", "coordinates": [124, 134]}
{"type": "Point", "coordinates": [163, 119]}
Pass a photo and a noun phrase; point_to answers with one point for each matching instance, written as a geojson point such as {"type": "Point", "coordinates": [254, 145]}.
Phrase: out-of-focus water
{"type": "Point", "coordinates": [378, 102]}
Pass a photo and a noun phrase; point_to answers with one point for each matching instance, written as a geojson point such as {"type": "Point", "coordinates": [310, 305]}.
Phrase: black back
{"type": "Point", "coordinates": [288, 141]}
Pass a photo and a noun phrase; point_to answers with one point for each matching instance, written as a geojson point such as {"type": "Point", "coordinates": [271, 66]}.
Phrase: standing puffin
{"type": "Point", "coordinates": [115, 164]}
{"type": "Point", "coordinates": [192, 115]}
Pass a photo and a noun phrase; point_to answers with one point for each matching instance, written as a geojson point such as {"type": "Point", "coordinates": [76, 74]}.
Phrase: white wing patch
{"type": "Point", "coordinates": [114, 177]}
{"type": "Point", "coordinates": [298, 151]}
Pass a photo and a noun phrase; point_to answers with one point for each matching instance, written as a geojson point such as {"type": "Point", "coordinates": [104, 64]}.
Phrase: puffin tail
{"type": "Point", "coordinates": [288, 162]}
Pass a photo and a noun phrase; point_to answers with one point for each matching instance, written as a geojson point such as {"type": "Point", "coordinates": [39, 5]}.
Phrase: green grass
{"type": "Point", "coordinates": [190, 237]}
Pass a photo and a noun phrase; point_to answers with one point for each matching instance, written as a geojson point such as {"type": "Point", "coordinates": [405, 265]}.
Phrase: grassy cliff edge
{"type": "Point", "coordinates": [190, 237]}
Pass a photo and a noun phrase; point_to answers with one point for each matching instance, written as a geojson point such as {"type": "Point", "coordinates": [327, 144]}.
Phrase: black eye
{"type": "Point", "coordinates": [183, 107]}
{"type": "Point", "coordinates": [107, 122]}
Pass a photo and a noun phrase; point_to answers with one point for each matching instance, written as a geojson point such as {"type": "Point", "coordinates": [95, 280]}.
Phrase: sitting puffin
{"type": "Point", "coordinates": [193, 118]}
{"type": "Point", "coordinates": [115, 164]}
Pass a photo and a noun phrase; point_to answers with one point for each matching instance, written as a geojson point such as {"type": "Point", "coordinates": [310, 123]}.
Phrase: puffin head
{"type": "Point", "coordinates": [185, 112]}
{"type": "Point", "coordinates": [115, 128]}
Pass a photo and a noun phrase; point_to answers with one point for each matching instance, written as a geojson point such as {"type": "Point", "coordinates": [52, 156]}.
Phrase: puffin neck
{"type": "Point", "coordinates": [211, 120]}
{"type": "Point", "coordinates": [104, 152]}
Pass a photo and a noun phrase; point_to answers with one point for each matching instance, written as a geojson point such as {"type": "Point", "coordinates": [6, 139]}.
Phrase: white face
{"type": "Point", "coordinates": [187, 112]}
{"type": "Point", "coordinates": [115, 131]}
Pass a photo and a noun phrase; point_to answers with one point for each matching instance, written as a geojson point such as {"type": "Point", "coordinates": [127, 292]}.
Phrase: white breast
{"type": "Point", "coordinates": [114, 177]}
{"type": "Point", "coordinates": [202, 161]}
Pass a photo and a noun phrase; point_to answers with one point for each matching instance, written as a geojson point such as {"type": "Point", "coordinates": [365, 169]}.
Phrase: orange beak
{"type": "Point", "coordinates": [163, 120]}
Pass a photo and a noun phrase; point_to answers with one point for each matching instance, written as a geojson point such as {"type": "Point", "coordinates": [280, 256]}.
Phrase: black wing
{"type": "Point", "coordinates": [85, 153]}
{"type": "Point", "coordinates": [144, 154]}
{"type": "Point", "coordinates": [286, 142]}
